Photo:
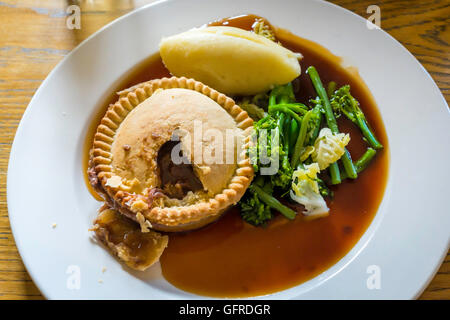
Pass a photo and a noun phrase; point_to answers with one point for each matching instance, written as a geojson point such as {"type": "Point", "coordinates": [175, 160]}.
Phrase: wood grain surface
{"type": "Point", "coordinates": [34, 38]}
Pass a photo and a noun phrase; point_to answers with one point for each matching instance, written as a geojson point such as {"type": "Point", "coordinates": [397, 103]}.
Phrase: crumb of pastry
{"type": "Point", "coordinates": [100, 281]}
{"type": "Point", "coordinates": [53, 225]}
{"type": "Point", "coordinates": [130, 185]}
{"type": "Point", "coordinates": [103, 269]}
{"type": "Point", "coordinates": [145, 224]}
{"type": "Point", "coordinates": [114, 182]}
{"type": "Point", "coordinates": [139, 205]}
{"type": "Point", "coordinates": [205, 170]}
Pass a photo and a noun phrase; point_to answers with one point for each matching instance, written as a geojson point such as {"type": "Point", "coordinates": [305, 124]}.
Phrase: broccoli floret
{"type": "Point", "coordinates": [343, 102]}
{"type": "Point", "coordinates": [261, 100]}
{"type": "Point", "coordinates": [258, 201]}
{"type": "Point", "coordinates": [283, 176]}
{"type": "Point", "coordinates": [263, 29]}
{"type": "Point", "coordinates": [255, 112]}
{"type": "Point", "coordinates": [282, 94]}
{"type": "Point", "coordinates": [253, 210]}
{"type": "Point", "coordinates": [256, 106]}
{"type": "Point", "coordinates": [324, 190]}
{"type": "Point", "coordinates": [314, 123]}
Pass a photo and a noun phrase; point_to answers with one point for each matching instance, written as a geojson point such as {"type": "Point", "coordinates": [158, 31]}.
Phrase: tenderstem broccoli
{"type": "Point", "coordinates": [253, 210]}
{"type": "Point", "coordinates": [274, 203]}
{"type": "Point", "coordinates": [332, 124]}
{"type": "Point", "coordinates": [342, 102]}
{"type": "Point", "coordinates": [300, 140]}
{"type": "Point", "coordinates": [362, 163]}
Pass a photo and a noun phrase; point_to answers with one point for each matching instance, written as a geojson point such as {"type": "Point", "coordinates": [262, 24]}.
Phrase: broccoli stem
{"type": "Point", "coordinates": [365, 159]}
{"type": "Point", "coordinates": [274, 203]}
{"type": "Point", "coordinates": [335, 173]}
{"type": "Point", "coordinates": [316, 131]}
{"type": "Point", "coordinates": [362, 163]}
{"type": "Point", "coordinates": [286, 129]}
{"type": "Point", "coordinates": [367, 133]}
{"type": "Point", "coordinates": [288, 97]}
{"type": "Point", "coordinates": [280, 123]}
{"type": "Point", "coordinates": [331, 88]}
{"type": "Point", "coordinates": [294, 129]}
{"type": "Point", "coordinates": [349, 106]}
{"type": "Point", "coordinates": [300, 140]}
{"type": "Point", "coordinates": [332, 124]}
{"type": "Point", "coordinates": [296, 107]}
{"type": "Point", "coordinates": [317, 83]}
{"type": "Point", "coordinates": [280, 108]}
{"type": "Point", "coordinates": [281, 94]}
{"type": "Point", "coordinates": [349, 167]}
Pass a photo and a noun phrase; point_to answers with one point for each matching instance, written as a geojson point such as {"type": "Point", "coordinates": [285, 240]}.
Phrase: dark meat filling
{"type": "Point", "coordinates": [176, 179]}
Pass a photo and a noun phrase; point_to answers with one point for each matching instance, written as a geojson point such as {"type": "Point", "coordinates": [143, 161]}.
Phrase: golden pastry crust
{"type": "Point", "coordinates": [151, 124]}
{"type": "Point", "coordinates": [126, 165]}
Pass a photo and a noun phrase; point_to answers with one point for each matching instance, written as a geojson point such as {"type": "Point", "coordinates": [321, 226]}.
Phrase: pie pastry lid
{"type": "Point", "coordinates": [175, 218]}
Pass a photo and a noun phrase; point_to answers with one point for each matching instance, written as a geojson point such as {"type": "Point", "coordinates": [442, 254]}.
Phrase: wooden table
{"type": "Point", "coordinates": [34, 38]}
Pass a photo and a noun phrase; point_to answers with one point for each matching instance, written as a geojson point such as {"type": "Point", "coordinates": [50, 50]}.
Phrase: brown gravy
{"type": "Point", "coordinates": [231, 258]}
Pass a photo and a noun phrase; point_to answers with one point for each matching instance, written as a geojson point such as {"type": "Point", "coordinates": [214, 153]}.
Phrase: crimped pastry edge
{"type": "Point", "coordinates": [172, 218]}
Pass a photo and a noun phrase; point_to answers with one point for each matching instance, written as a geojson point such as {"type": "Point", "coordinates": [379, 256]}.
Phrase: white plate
{"type": "Point", "coordinates": [406, 241]}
